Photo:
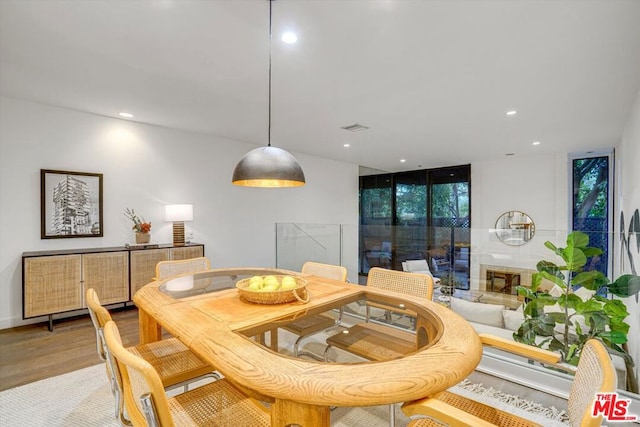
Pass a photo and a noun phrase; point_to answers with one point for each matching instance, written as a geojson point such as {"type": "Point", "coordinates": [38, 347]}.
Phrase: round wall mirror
{"type": "Point", "coordinates": [515, 228]}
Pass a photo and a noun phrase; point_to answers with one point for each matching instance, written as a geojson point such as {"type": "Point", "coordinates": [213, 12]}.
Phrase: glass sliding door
{"type": "Point", "coordinates": [414, 215]}
{"type": "Point", "coordinates": [410, 219]}
{"type": "Point", "coordinates": [450, 222]}
{"type": "Point", "coordinates": [375, 221]}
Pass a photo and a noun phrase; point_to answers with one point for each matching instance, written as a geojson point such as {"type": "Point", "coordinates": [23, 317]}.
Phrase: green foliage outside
{"type": "Point", "coordinates": [447, 201]}
{"type": "Point", "coordinates": [590, 184]}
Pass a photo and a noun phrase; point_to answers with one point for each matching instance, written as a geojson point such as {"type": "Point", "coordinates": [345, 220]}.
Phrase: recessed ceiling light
{"type": "Point", "coordinates": [126, 115]}
{"type": "Point", "coordinates": [511, 113]}
{"type": "Point", "coordinates": [347, 145]}
{"type": "Point", "coordinates": [403, 160]}
{"type": "Point", "coordinates": [289, 37]}
{"type": "Point", "coordinates": [535, 143]}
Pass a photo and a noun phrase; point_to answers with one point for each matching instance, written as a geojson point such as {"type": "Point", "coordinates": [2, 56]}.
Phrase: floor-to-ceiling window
{"type": "Point", "coordinates": [591, 203]}
{"type": "Point", "coordinates": [375, 221]}
{"type": "Point", "coordinates": [422, 214]}
{"type": "Point", "coordinates": [410, 217]}
{"type": "Point", "coordinates": [450, 222]}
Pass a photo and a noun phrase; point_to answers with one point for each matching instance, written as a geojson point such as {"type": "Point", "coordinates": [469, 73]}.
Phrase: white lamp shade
{"type": "Point", "coordinates": [178, 212]}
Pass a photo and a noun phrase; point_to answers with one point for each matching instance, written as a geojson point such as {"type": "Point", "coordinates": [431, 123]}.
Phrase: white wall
{"type": "Point", "coordinates": [535, 185]}
{"type": "Point", "coordinates": [146, 167]}
{"type": "Point", "coordinates": [628, 200]}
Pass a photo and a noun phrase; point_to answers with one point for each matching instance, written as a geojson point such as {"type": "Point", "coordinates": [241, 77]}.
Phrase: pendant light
{"type": "Point", "coordinates": [268, 166]}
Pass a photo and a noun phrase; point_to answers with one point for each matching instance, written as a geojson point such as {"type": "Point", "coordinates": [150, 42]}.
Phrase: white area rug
{"type": "Point", "coordinates": [83, 398]}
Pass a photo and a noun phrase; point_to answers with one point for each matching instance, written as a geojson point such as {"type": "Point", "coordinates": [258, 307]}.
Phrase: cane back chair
{"type": "Point", "coordinates": [171, 268]}
{"type": "Point", "coordinates": [214, 404]}
{"type": "Point", "coordinates": [176, 365]}
{"type": "Point", "coordinates": [374, 341]}
{"type": "Point", "coordinates": [310, 325]}
{"type": "Point", "coordinates": [595, 374]}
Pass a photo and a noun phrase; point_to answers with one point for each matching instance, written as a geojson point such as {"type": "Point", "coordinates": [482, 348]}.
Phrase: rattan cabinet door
{"type": "Point", "coordinates": [143, 266]}
{"type": "Point", "coordinates": [52, 284]}
{"type": "Point", "coordinates": [187, 252]}
{"type": "Point", "coordinates": [108, 274]}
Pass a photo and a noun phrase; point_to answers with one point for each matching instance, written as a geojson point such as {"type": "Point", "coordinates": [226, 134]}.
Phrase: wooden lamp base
{"type": "Point", "coordinates": [178, 233]}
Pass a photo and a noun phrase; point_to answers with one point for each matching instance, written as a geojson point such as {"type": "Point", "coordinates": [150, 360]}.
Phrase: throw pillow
{"type": "Point", "coordinates": [488, 314]}
{"type": "Point", "coordinates": [512, 319]}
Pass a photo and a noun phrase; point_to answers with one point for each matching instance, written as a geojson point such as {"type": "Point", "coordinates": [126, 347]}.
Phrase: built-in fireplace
{"type": "Point", "coordinates": [499, 283]}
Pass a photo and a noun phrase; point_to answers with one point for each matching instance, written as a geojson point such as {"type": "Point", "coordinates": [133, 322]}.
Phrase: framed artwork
{"type": "Point", "coordinates": [71, 204]}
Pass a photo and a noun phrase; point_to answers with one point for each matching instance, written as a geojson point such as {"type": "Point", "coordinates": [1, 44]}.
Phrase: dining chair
{"type": "Point", "coordinates": [374, 341]}
{"type": "Point", "coordinates": [314, 324]}
{"type": "Point", "coordinates": [595, 374]}
{"type": "Point", "coordinates": [176, 365]}
{"type": "Point", "coordinates": [171, 268]}
{"type": "Point", "coordinates": [218, 403]}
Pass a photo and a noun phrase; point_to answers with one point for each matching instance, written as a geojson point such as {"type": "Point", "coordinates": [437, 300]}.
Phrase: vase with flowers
{"type": "Point", "coordinates": [140, 225]}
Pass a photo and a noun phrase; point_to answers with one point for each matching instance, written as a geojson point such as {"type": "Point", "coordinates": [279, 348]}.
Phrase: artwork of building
{"type": "Point", "coordinates": [72, 211]}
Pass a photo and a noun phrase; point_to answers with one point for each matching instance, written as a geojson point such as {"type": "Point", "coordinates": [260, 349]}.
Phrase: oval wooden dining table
{"type": "Point", "coordinates": [216, 324]}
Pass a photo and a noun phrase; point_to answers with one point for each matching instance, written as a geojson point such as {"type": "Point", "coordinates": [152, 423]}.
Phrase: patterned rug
{"type": "Point", "coordinates": [83, 398]}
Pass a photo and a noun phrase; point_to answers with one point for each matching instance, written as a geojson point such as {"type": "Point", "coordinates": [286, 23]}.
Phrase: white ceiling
{"type": "Point", "coordinates": [432, 79]}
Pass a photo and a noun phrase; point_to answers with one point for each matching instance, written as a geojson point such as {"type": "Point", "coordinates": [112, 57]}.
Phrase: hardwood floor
{"type": "Point", "coordinates": [31, 353]}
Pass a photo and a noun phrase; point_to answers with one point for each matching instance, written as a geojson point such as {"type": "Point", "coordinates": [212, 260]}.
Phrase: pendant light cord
{"type": "Point", "coordinates": [269, 132]}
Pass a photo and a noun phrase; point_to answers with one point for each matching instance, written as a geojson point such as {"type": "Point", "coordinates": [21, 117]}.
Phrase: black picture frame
{"type": "Point", "coordinates": [71, 204]}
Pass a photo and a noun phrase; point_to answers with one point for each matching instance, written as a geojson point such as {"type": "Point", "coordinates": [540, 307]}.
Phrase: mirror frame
{"type": "Point", "coordinates": [516, 232]}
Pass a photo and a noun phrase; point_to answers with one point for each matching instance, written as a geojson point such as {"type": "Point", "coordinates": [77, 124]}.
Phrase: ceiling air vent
{"type": "Point", "coordinates": [356, 127]}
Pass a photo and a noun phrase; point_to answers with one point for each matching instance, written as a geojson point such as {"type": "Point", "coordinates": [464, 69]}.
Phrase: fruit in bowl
{"type": "Point", "coordinates": [273, 289]}
{"type": "Point", "coordinates": [256, 283]}
{"type": "Point", "coordinates": [270, 284]}
{"type": "Point", "coordinates": [288, 283]}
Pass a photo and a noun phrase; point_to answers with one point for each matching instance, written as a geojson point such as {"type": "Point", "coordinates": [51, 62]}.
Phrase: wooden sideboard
{"type": "Point", "coordinates": [55, 282]}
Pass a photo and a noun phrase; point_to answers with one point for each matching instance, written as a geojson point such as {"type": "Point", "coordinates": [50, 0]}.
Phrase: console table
{"type": "Point", "coordinates": [54, 282]}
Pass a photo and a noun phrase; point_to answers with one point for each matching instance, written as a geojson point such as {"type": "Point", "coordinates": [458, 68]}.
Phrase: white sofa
{"type": "Point", "coordinates": [496, 320]}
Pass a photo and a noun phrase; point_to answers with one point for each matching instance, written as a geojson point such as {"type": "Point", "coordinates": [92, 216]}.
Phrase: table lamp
{"type": "Point", "coordinates": [178, 214]}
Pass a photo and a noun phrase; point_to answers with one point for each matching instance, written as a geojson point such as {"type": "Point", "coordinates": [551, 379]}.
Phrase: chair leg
{"type": "Point", "coordinates": [325, 355]}
{"type": "Point", "coordinates": [297, 352]}
{"type": "Point", "coordinates": [392, 415]}
{"type": "Point", "coordinates": [215, 375]}
{"type": "Point", "coordinates": [297, 344]}
{"type": "Point", "coordinates": [121, 415]}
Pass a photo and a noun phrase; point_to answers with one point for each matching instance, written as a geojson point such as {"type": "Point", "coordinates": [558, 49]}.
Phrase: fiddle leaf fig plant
{"type": "Point", "coordinates": [576, 309]}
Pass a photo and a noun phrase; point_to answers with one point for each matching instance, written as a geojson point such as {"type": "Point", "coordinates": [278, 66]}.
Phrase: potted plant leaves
{"type": "Point", "coordinates": [564, 318]}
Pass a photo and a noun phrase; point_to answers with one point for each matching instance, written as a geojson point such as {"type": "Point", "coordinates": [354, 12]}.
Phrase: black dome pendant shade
{"type": "Point", "coordinates": [268, 166]}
